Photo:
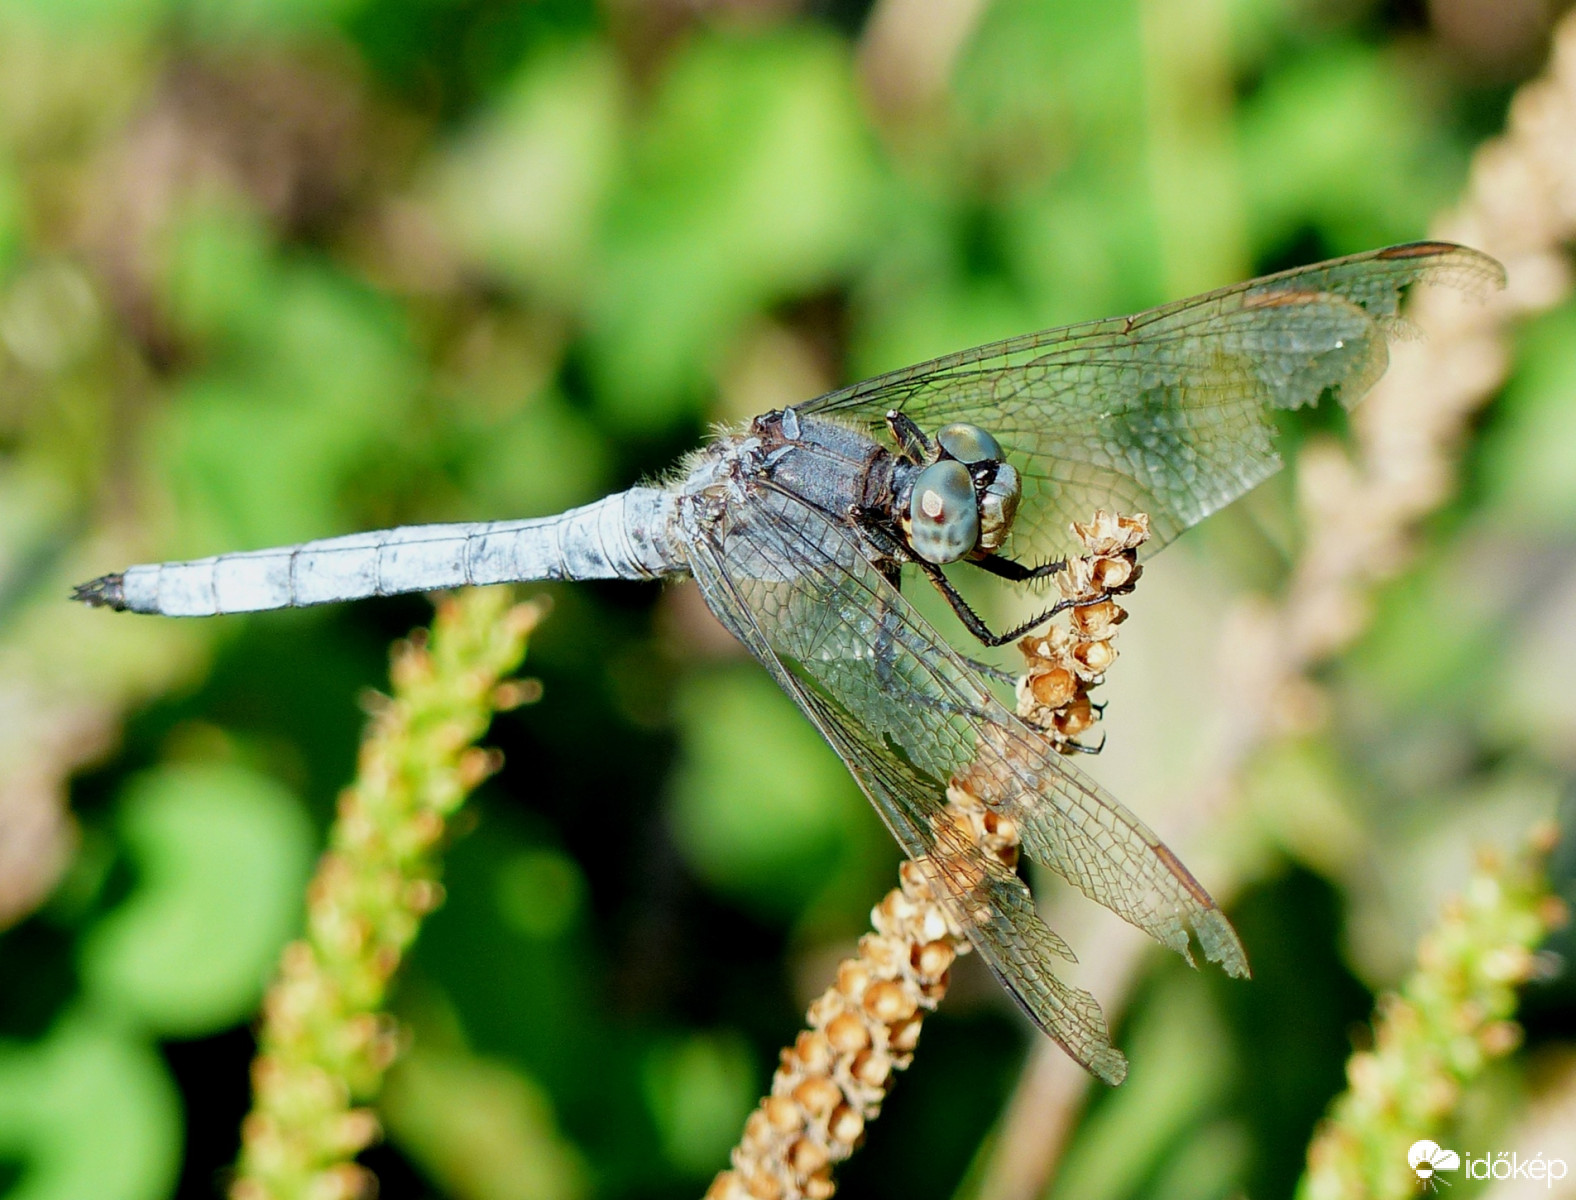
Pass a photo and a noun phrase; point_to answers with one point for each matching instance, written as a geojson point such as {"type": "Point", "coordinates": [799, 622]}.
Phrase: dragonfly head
{"type": "Point", "coordinates": [964, 502]}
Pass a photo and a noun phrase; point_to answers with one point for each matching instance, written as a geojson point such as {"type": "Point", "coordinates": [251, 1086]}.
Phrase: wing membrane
{"type": "Point", "coordinates": [909, 716]}
{"type": "Point", "coordinates": [1166, 412]}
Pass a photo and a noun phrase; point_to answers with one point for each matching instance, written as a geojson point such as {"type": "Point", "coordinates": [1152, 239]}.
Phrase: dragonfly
{"type": "Point", "coordinates": [797, 527]}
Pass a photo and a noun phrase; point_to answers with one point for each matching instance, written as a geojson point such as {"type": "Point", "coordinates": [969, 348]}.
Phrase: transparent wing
{"type": "Point", "coordinates": [909, 716]}
{"type": "Point", "coordinates": [980, 893]}
{"type": "Point", "coordinates": [1166, 412]}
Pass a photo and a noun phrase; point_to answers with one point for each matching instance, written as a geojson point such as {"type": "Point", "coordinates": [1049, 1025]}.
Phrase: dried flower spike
{"type": "Point", "coordinates": [1065, 662]}
{"type": "Point", "coordinates": [325, 1043]}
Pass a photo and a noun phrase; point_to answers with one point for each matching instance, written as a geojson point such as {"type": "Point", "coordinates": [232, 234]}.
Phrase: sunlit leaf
{"type": "Point", "coordinates": [481, 1129]}
{"type": "Point", "coordinates": [522, 191]}
{"type": "Point", "coordinates": [753, 182]}
{"type": "Point", "coordinates": [89, 1111]}
{"type": "Point", "coordinates": [700, 1090]}
{"type": "Point", "coordinates": [540, 893]}
{"type": "Point", "coordinates": [1343, 141]}
{"type": "Point", "coordinates": [759, 801]}
{"type": "Point", "coordinates": [221, 855]}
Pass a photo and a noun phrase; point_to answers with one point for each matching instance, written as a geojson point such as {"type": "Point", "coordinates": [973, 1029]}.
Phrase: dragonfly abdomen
{"type": "Point", "coordinates": [624, 536]}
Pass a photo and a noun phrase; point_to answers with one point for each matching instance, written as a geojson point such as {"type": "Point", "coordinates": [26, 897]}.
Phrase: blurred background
{"type": "Point", "coordinates": [279, 269]}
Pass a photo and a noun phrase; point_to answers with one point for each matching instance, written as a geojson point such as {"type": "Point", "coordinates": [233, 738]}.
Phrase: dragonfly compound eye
{"type": "Point", "coordinates": [969, 444]}
{"type": "Point", "coordinates": [998, 506]}
{"type": "Point", "coordinates": [945, 515]}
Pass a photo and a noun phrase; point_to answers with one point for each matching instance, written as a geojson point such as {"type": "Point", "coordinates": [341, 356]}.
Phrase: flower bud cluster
{"type": "Point", "coordinates": [325, 1043]}
{"type": "Point", "coordinates": [1452, 1016]}
{"type": "Point", "coordinates": [1065, 662]}
{"type": "Point", "coordinates": [862, 1030]}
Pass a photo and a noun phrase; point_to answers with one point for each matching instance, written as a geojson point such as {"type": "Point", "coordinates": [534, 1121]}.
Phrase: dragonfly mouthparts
{"type": "Point", "coordinates": [107, 591]}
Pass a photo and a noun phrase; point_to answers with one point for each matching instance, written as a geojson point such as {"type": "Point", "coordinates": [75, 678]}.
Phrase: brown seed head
{"type": "Point", "coordinates": [820, 1186]}
{"type": "Point", "coordinates": [1109, 574]}
{"type": "Point", "coordinates": [889, 1001]}
{"type": "Point", "coordinates": [845, 1126]}
{"type": "Point", "coordinates": [818, 1096]}
{"type": "Point", "coordinates": [1095, 620]}
{"type": "Point", "coordinates": [806, 1158]}
{"type": "Point", "coordinates": [757, 1127]}
{"type": "Point", "coordinates": [853, 977]}
{"type": "Point", "coordinates": [871, 1067]}
{"type": "Point", "coordinates": [847, 1034]}
{"type": "Point", "coordinates": [813, 1052]}
{"type": "Point", "coordinates": [932, 959]}
{"type": "Point", "coordinates": [763, 1186]}
{"type": "Point", "coordinates": [1094, 657]}
{"type": "Point", "coordinates": [782, 1113]}
{"type": "Point", "coordinates": [1053, 688]}
{"type": "Point", "coordinates": [904, 1035]}
{"type": "Point", "coordinates": [1075, 719]}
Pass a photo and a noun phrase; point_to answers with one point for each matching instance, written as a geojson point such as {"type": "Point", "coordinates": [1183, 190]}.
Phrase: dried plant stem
{"type": "Point", "coordinates": [325, 1041]}
{"type": "Point", "coordinates": [863, 1029]}
{"type": "Point", "coordinates": [1361, 513]}
{"type": "Point", "coordinates": [1450, 1018]}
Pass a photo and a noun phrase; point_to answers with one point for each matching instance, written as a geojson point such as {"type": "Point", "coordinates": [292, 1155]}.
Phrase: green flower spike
{"type": "Point", "coordinates": [325, 1041]}
{"type": "Point", "coordinates": [1452, 1016]}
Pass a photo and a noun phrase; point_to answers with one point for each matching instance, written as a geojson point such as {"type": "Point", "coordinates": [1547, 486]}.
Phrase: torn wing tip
{"type": "Point", "coordinates": [1221, 944]}
{"type": "Point", "coordinates": [1109, 1065]}
{"type": "Point", "coordinates": [1455, 265]}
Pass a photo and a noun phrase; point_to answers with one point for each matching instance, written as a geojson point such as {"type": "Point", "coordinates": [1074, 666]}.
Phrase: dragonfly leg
{"type": "Point", "coordinates": [1083, 747]}
{"type": "Point", "coordinates": [1017, 572]}
{"type": "Point", "coordinates": [991, 671]}
{"type": "Point", "coordinates": [971, 619]}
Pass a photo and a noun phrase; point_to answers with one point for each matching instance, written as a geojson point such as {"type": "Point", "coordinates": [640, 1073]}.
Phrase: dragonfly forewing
{"type": "Point", "coordinates": [1167, 411]}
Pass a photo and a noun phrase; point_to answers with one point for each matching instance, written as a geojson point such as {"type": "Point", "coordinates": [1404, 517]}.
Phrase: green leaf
{"type": "Point", "coordinates": [522, 191]}
{"type": "Point", "coordinates": [230, 20]}
{"type": "Point", "coordinates": [753, 182]}
{"type": "Point", "coordinates": [221, 855]}
{"type": "Point", "coordinates": [219, 278]}
{"type": "Point", "coordinates": [481, 1129]}
{"type": "Point", "coordinates": [1340, 139]}
{"type": "Point", "coordinates": [699, 1091]}
{"type": "Point", "coordinates": [542, 458]}
{"type": "Point", "coordinates": [90, 1111]}
{"type": "Point", "coordinates": [11, 214]}
{"type": "Point", "coordinates": [540, 893]}
{"type": "Point", "coordinates": [1181, 1072]}
{"type": "Point", "coordinates": [101, 16]}
{"type": "Point", "coordinates": [760, 804]}
{"type": "Point", "coordinates": [312, 372]}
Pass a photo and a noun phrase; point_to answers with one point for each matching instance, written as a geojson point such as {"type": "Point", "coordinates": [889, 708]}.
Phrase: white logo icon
{"type": "Point", "coordinates": [1428, 1158]}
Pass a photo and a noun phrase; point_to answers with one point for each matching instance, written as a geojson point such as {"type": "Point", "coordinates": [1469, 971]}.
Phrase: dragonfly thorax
{"type": "Point", "coordinates": [963, 503]}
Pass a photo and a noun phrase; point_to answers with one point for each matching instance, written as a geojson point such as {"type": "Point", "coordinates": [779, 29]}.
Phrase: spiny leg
{"type": "Point", "coordinates": [1017, 572]}
{"type": "Point", "coordinates": [971, 619]}
{"type": "Point", "coordinates": [1078, 747]}
{"type": "Point", "coordinates": [991, 671]}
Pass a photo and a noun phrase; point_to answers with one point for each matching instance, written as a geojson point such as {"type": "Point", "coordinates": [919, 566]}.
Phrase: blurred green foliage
{"type": "Point", "coordinates": [278, 269]}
